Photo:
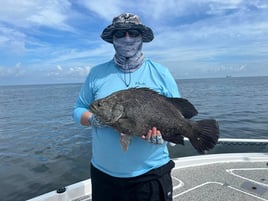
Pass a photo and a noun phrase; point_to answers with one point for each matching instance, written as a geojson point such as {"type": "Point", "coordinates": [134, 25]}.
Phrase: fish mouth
{"type": "Point", "coordinates": [94, 109]}
{"type": "Point", "coordinates": [111, 121]}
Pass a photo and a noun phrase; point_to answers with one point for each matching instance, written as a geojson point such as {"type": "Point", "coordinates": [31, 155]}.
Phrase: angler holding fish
{"type": "Point", "coordinates": [133, 102]}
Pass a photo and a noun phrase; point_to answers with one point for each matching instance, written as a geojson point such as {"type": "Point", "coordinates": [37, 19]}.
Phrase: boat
{"type": "Point", "coordinates": [236, 170]}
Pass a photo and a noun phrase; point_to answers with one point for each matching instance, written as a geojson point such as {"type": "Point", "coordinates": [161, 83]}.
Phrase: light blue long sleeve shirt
{"type": "Point", "coordinates": [107, 153]}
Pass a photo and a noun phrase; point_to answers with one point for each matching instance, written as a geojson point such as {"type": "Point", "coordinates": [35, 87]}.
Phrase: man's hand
{"type": "Point", "coordinates": [153, 136]}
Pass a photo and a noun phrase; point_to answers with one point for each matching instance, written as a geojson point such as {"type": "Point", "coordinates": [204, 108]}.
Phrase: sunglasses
{"type": "Point", "coordinates": [131, 33]}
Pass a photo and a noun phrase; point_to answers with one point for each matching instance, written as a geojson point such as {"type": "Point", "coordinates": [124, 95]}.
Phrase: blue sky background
{"type": "Point", "coordinates": [58, 41]}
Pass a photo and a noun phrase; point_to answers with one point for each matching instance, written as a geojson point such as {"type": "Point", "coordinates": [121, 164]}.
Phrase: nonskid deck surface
{"type": "Point", "coordinates": [212, 177]}
{"type": "Point", "coordinates": [238, 180]}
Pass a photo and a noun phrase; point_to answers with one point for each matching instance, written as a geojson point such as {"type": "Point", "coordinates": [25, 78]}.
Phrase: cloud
{"type": "Point", "coordinates": [11, 40]}
{"type": "Point", "coordinates": [215, 39]}
{"type": "Point", "coordinates": [52, 13]}
{"type": "Point", "coordinates": [72, 74]}
{"type": "Point", "coordinates": [59, 68]}
{"type": "Point", "coordinates": [60, 38]}
{"type": "Point", "coordinates": [81, 71]}
{"type": "Point", "coordinates": [19, 19]}
{"type": "Point", "coordinates": [107, 9]}
{"type": "Point", "coordinates": [228, 68]}
{"type": "Point", "coordinates": [15, 71]}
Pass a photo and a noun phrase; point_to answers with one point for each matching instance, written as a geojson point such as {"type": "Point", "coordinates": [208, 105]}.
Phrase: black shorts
{"type": "Point", "coordinates": [155, 185]}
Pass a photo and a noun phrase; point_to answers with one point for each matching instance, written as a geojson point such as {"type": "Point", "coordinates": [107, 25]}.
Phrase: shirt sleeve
{"type": "Point", "coordinates": [85, 98]}
{"type": "Point", "coordinates": [170, 86]}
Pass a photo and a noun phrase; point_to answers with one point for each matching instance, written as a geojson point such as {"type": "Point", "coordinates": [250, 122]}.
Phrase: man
{"type": "Point", "coordinates": [143, 171]}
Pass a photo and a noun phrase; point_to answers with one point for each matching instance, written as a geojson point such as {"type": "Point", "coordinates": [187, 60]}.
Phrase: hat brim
{"type": "Point", "coordinates": [146, 32]}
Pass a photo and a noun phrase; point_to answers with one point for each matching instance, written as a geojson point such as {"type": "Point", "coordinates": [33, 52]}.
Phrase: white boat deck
{"type": "Point", "coordinates": [221, 177]}
{"type": "Point", "coordinates": [213, 177]}
{"type": "Point", "coordinates": [232, 177]}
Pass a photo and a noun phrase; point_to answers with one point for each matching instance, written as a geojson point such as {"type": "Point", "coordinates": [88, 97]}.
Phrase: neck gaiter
{"type": "Point", "coordinates": [128, 55]}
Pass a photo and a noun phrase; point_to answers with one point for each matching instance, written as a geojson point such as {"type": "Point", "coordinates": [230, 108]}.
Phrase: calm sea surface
{"type": "Point", "coordinates": [42, 149]}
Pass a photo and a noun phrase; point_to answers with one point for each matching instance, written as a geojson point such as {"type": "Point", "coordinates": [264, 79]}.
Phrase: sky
{"type": "Point", "coordinates": [58, 41]}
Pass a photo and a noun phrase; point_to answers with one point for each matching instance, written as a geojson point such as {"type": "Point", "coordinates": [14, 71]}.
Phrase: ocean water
{"type": "Point", "coordinates": [42, 149]}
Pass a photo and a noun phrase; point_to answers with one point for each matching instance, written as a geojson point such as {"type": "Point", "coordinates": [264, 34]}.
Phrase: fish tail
{"type": "Point", "coordinates": [205, 135]}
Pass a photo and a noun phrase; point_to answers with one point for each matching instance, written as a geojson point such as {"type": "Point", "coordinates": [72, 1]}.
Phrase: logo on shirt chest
{"type": "Point", "coordinates": [140, 83]}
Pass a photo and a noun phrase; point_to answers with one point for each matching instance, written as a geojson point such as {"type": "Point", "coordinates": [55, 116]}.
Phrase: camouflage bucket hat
{"type": "Point", "coordinates": [127, 21]}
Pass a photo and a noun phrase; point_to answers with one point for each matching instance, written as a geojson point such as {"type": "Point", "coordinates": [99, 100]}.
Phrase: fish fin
{"type": "Point", "coordinates": [186, 108]}
{"type": "Point", "coordinates": [126, 123]}
{"type": "Point", "coordinates": [175, 138]}
{"type": "Point", "coordinates": [125, 141]}
{"type": "Point", "coordinates": [205, 135]}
